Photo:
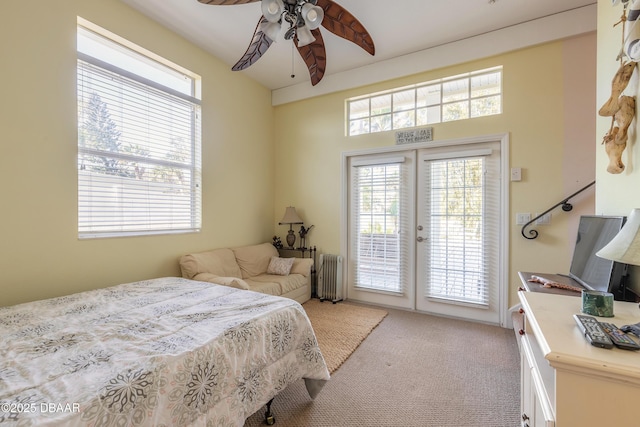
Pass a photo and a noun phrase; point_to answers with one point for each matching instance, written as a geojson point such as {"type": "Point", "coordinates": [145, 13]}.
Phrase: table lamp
{"type": "Point", "coordinates": [625, 246]}
{"type": "Point", "coordinates": [290, 217]}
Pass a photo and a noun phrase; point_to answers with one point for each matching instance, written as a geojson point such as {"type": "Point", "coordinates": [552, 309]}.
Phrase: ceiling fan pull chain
{"type": "Point", "coordinates": [293, 76]}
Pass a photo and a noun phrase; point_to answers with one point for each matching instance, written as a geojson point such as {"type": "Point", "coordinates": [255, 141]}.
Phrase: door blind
{"type": "Point", "coordinates": [462, 211]}
{"type": "Point", "coordinates": [379, 220]}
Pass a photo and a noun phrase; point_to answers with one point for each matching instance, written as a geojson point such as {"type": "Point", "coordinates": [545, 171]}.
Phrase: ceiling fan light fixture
{"type": "Point", "coordinates": [312, 15]}
{"type": "Point", "coordinates": [272, 30]}
{"type": "Point", "coordinates": [272, 10]}
{"type": "Point", "coordinates": [304, 36]}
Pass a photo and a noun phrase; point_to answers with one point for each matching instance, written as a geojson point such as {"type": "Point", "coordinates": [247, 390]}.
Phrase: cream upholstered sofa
{"type": "Point", "coordinates": [256, 268]}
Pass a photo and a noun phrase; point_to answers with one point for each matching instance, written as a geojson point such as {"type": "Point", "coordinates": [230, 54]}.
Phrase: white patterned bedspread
{"type": "Point", "coordinates": [162, 352]}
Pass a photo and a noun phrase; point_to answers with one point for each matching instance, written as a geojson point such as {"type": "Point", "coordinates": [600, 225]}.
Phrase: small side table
{"type": "Point", "coordinates": [304, 253]}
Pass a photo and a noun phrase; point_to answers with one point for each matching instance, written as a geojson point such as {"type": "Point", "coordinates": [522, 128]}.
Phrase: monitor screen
{"type": "Point", "coordinates": [591, 271]}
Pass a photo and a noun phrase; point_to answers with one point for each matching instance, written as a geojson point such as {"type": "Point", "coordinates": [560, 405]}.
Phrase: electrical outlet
{"type": "Point", "coordinates": [522, 218]}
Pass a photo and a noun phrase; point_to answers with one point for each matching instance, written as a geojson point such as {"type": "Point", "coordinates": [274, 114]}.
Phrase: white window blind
{"type": "Point", "coordinates": [379, 220]}
{"type": "Point", "coordinates": [138, 144]}
{"type": "Point", "coordinates": [462, 211]}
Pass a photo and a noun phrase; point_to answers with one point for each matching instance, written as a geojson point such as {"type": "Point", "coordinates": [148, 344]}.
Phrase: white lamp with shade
{"type": "Point", "coordinates": [290, 217]}
{"type": "Point", "coordinates": [625, 246]}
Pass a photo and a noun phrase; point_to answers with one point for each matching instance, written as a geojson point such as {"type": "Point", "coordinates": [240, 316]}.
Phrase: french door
{"type": "Point", "coordinates": [458, 242]}
{"type": "Point", "coordinates": [381, 229]}
{"type": "Point", "coordinates": [425, 230]}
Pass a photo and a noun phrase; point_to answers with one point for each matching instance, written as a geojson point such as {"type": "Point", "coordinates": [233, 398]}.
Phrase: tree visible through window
{"type": "Point", "coordinates": [99, 132]}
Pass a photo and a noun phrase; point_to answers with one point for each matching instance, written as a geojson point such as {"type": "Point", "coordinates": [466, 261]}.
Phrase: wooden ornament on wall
{"type": "Point", "coordinates": [621, 108]}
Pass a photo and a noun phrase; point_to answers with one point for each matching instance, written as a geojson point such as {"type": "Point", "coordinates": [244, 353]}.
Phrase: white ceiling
{"type": "Point", "coordinates": [400, 29]}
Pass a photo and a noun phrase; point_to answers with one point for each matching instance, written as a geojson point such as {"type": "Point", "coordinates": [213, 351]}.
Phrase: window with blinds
{"type": "Point", "coordinates": [378, 200]}
{"type": "Point", "coordinates": [138, 142]}
{"type": "Point", "coordinates": [462, 246]}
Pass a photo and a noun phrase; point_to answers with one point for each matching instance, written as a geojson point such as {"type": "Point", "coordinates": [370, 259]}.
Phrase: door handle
{"type": "Point", "coordinates": [420, 239]}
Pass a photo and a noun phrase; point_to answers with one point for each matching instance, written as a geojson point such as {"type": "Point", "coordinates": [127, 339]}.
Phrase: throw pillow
{"type": "Point", "coordinates": [280, 266]}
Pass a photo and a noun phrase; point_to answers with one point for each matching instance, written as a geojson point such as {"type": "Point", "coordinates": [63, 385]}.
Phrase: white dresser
{"type": "Point", "coordinates": [566, 382]}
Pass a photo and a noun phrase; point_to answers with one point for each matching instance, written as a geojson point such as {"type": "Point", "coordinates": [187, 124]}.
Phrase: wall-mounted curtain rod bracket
{"type": "Point", "coordinates": [566, 206]}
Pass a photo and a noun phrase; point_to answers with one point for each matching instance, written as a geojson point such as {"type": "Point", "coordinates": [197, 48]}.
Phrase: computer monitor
{"type": "Point", "coordinates": [591, 271]}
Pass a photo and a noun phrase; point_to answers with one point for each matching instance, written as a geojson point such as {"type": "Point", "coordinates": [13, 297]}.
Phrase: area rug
{"type": "Point", "coordinates": [340, 328]}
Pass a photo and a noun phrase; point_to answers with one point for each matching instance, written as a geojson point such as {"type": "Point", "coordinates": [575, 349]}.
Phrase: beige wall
{"type": "Point", "coordinates": [546, 89]}
{"type": "Point", "coordinates": [40, 254]}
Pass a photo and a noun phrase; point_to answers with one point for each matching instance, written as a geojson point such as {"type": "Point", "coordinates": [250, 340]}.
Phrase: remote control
{"type": "Point", "coordinates": [631, 329]}
{"type": "Point", "coordinates": [592, 331]}
{"type": "Point", "coordinates": [619, 338]}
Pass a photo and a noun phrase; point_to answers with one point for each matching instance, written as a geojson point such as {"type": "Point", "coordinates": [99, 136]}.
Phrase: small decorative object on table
{"type": "Point", "coordinates": [277, 242]}
{"type": "Point", "coordinates": [303, 236]}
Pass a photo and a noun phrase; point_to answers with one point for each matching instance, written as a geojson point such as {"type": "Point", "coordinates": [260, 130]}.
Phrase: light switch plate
{"type": "Point", "coordinates": [522, 218]}
{"type": "Point", "coordinates": [544, 219]}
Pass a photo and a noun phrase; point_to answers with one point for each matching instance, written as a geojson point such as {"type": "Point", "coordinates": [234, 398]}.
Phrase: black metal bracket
{"type": "Point", "coordinates": [268, 416]}
{"type": "Point", "coordinates": [566, 206]}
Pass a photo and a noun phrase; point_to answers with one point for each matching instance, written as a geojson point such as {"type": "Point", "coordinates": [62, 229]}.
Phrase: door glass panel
{"type": "Point", "coordinates": [378, 221]}
{"type": "Point", "coordinates": [455, 213]}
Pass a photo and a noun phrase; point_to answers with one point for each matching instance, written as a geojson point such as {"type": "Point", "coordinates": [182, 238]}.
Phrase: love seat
{"type": "Point", "coordinates": [256, 268]}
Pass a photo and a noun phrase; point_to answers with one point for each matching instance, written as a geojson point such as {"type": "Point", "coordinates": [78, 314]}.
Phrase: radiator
{"type": "Point", "coordinates": [330, 278]}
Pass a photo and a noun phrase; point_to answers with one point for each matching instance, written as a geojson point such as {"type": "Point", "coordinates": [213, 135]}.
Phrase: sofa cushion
{"type": "Point", "coordinates": [285, 283]}
{"type": "Point", "coordinates": [302, 266]}
{"type": "Point", "coordinates": [253, 260]}
{"type": "Point", "coordinates": [280, 266]}
{"type": "Point", "coordinates": [233, 282]}
{"type": "Point", "coordinates": [271, 288]}
{"type": "Point", "coordinates": [220, 262]}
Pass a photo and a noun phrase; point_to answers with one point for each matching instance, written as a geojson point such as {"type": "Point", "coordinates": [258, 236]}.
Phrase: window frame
{"type": "Point", "coordinates": [180, 212]}
{"type": "Point", "coordinates": [391, 115]}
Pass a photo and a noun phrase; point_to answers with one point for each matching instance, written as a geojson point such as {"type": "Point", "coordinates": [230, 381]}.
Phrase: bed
{"type": "Point", "coordinates": [162, 352]}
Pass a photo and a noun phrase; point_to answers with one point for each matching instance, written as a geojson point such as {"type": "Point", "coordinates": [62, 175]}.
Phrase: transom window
{"type": "Point", "coordinates": [139, 166]}
{"type": "Point", "coordinates": [459, 97]}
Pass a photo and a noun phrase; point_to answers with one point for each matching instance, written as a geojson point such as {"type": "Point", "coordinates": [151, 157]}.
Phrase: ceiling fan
{"type": "Point", "coordinates": [304, 18]}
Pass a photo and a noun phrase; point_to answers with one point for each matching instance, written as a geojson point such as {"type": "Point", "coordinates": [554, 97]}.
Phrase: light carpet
{"type": "Point", "coordinates": [340, 328]}
{"type": "Point", "coordinates": [414, 370]}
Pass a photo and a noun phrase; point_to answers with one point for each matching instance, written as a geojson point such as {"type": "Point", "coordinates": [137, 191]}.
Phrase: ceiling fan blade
{"type": "Point", "coordinates": [314, 55]}
{"type": "Point", "coordinates": [258, 46]}
{"type": "Point", "coordinates": [343, 24]}
{"type": "Point", "coordinates": [226, 2]}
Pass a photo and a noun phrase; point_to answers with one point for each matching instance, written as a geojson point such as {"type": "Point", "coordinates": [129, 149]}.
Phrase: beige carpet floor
{"type": "Point", "coordinates": [414, 370]}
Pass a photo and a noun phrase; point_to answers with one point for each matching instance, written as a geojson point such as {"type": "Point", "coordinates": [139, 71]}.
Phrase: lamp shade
{"type": "Point", "coordinates": [625, 246]}
{"type": "Point", "coordinates": [312, 15]}
{"type": "Point", "coordinates": [272, 9]}
{"type": "Point", "coordinates": [290, 216]}
{"type": "Point", "coordinates": [304, 36]}
{"type": "Point", "coordinates": [272, 30]}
